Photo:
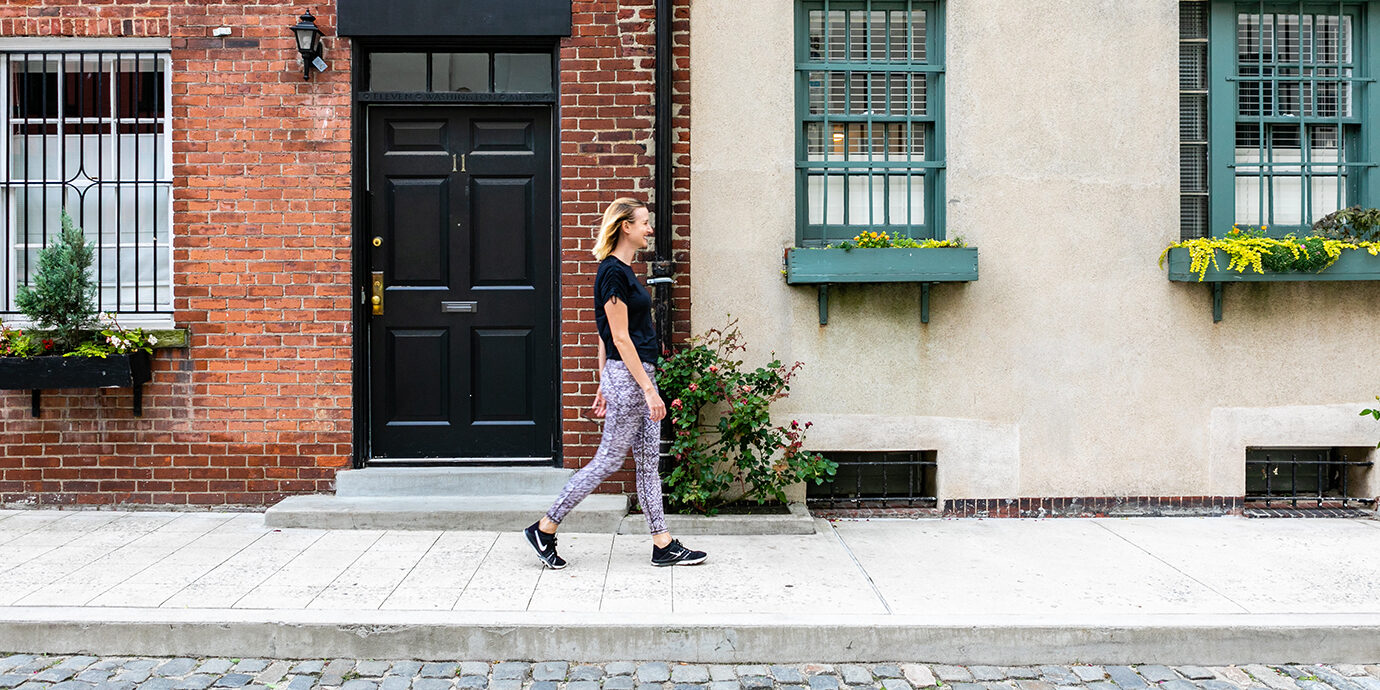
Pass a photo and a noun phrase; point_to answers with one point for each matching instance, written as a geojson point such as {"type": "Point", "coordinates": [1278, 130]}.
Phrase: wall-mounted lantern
{"type": "Point", "coordinates": [308, 38]}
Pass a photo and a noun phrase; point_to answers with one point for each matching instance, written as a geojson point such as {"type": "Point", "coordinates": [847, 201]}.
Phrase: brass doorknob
{"type": "Point", "coordinates": [378, 241]}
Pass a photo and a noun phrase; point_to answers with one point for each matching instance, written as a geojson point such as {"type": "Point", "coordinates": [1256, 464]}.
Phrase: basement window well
{"type": "Point", "coordinates": [1308, 478]}
{"type": "Point", "coordinates": [878, 479]}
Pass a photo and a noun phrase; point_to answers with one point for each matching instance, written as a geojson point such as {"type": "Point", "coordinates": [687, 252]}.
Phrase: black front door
{"type": "Point", "coordinates": [461, 361]}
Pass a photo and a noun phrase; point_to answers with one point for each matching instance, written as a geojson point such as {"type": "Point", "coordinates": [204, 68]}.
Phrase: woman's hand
{"type": "Point", "coordinates": [655, 407]}
{"type": "Point", "coordinates": [600, 407]}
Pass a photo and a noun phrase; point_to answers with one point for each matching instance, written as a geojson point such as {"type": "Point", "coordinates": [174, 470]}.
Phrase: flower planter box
{"type": "Point", "coordinates": [925, 266]}
{"type": "Point", "coordinates": [1353, 264]}
{"type": "Point", "coordinates": [40, 373]}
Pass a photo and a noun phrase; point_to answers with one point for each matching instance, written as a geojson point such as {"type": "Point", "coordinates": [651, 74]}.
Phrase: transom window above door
{"type": "Point", "coordinates": [460, 72]}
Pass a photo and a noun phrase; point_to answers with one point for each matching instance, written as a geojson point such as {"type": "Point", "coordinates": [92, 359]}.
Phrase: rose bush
{"type": "Point", "coordinates": [724, 438]}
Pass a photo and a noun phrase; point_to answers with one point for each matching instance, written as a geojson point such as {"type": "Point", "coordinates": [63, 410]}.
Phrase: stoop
{"type": "Point", "coordinates": [446, 498]}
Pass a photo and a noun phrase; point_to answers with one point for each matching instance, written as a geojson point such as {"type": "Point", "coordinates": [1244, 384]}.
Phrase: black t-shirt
{"type": "Point", "coordinates": [616, 279]}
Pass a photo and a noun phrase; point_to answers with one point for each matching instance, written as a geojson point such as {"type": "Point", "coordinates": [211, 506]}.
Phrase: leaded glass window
{"type": "Point", "coordinates": [1290, 132]}
{"type": "Point", "coordinates": [869, 103]}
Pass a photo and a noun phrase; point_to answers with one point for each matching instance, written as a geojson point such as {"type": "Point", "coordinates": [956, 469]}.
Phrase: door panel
{"type": "Point", "coordinates": [502, 247]}
{"type": "Point", "coordinates": [462, 358]}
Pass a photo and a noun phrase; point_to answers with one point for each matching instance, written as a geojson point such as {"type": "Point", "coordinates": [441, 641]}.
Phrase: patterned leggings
{"type": "Point", "coordinates": [627, 424]}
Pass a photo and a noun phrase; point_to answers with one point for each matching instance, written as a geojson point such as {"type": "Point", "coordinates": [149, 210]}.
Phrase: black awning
{"type": "Point", "coordinates": [439, 18]}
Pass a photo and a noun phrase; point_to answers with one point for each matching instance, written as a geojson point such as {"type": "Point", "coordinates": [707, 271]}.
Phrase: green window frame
{"type": "Point", "coordinates": [1291, 98]}
{"type": "Point", "coordinates": [869, 119]}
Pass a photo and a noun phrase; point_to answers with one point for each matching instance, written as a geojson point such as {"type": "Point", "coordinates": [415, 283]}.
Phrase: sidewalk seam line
{"type": "Point", "coordinates": [403, 579]}
{"type": "Point", "coordinates": [1171, 566]}
{"type": "Point", "coordinates": [131, 576]}
{"type": "Point", "coordinates": [477, 566]}
{"type": "Point", "coordinates": [344, 570]}
{"type": "Point", "coordinates": [267, 577]}
{"type": "Point", "coordinates": [613, 543]}
{"type": "Point", "coordinates": [861, 569]}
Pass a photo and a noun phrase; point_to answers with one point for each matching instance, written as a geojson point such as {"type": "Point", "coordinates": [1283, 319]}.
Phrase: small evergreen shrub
{"type": "Point", "coordinates": [63, 295]}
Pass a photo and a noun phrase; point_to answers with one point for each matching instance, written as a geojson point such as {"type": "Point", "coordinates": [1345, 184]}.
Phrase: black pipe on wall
{"type": "Point", "coordinates": [662, 264]}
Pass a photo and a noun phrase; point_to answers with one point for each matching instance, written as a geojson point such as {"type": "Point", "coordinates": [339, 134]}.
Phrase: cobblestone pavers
{"type": "Point", "coordinates": [48, 672]}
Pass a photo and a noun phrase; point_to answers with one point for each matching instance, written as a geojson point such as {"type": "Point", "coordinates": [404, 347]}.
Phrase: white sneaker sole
{"type": "Point", "coordinates": [688, 561]}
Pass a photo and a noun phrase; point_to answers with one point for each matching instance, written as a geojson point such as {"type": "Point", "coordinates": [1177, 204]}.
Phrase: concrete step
{"type": "Point", "coordinates": [452, 481]}
{"type": "Point", "coordinates": [597, 513]}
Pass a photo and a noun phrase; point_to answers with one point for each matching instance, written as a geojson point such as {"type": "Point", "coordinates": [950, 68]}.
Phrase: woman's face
{"type": "Point", "coordinates": [638, 230]}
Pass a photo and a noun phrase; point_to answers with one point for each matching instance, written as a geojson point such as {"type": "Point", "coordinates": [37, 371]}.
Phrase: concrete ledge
{"type": "Point", "coordinates": [597, 513]}
{"type": "Point", "coordinates": [798, 521]}
{"type": "Point", "coordinates": [452, 481]}
{"type": "Point", "coordinates": [458, 635]}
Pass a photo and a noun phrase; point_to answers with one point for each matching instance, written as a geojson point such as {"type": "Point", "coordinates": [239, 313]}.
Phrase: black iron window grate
{"type": "Point", "coordinates": [888, 479]}
{"type": "Point", "coordinates": [1303, 478]}
{"type": "Point", "coordinates": [88, 132]}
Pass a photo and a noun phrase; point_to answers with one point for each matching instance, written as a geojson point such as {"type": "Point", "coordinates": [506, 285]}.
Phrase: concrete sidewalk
{"type": "Point", "coordinates": [1194, 590]}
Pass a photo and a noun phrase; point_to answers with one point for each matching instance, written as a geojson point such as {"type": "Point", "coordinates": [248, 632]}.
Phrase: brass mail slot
{"type": "Point", "coordinates": [453, 307]}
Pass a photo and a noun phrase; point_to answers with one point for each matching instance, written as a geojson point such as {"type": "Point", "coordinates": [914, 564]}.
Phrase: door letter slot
{"type": "Point", "coordinates": [376, 283]}
{"type": "Point", "coordinates": [454, 307]}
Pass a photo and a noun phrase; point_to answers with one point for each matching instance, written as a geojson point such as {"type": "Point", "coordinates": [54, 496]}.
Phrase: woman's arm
{"type": "Point", "coordinates": [617, 313]}
{"type": "Point", "coordinates": [600, 406]}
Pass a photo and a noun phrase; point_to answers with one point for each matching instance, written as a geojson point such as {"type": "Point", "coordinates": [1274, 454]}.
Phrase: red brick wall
{"type": "Point", "coordinates": [607, 115]}
{"type": "Point", "coordinates": [259, 406]}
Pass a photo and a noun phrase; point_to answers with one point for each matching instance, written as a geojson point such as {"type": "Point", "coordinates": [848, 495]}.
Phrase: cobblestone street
{"type": "Point", "coordinates": [33, 672]}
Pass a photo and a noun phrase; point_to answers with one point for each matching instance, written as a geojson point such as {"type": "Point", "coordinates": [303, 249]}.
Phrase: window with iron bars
{"type": "Point", "coordinates": [878, 479]}
{"type": "Point", "coordinates": [87, 130]}
{"type": "Point", "coordinates": [1289, 87]}
{"type": "Point", "coordinates": [869, 113]}
{"type": "Point", "coordinates": [1306, 477]}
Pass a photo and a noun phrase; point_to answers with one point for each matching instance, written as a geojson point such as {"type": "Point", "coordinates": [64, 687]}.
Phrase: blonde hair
{"type": "Point", "coordinates": [620, 210]}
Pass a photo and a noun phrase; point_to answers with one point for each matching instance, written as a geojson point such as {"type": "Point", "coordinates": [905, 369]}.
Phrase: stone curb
{"type": "Point", "coordinates": [972, 640]}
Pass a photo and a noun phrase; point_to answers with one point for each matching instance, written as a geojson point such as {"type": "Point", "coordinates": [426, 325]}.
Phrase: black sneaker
{"type": "Point", "coordinates": [676, 554]}
{"type": "Point", "coordinates": [545, 546]}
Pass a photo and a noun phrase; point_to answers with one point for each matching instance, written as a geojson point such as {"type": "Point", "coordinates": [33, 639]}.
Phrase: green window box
{"type": "Point", "coordinates": [823, 267]}
{"type": "Point", "coordinates": [1353, 264]}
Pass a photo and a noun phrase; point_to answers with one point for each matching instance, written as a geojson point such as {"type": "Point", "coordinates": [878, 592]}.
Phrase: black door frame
{"type": "Point", "coordinates": [360, 100]}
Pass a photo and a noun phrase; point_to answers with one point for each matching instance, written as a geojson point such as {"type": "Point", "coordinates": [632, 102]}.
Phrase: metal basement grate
{"type": "Point", "coordinates": [1292, 479]}
{"type": "Point", "coordinates": [884, 479]}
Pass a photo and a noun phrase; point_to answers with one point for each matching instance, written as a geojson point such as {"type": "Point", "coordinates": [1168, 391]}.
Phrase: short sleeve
{"type": "Point", "coordinates": [609, 284]}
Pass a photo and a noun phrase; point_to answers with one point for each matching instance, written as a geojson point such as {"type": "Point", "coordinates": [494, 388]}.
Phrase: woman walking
{"type": "Point", "coordinates": [627, 397]}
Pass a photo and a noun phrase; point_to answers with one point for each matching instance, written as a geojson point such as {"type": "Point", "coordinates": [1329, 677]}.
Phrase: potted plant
{"type": "Point", "coordinates": [878, 257]}
{"type": "Point", "coordinates": [77, 347]}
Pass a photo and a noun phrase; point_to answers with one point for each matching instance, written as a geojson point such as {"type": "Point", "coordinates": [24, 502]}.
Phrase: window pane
{"type": "Point", "coordinates": [1193, 167]}
{"type": "Point", "coordinates": [460, 72]}
{"type": "Point", "coordinates": [815, 84]}
{"type": "Point", "coordinates": [857, 36]}
{"type": "Point", "coordinates": [815, 35]}
{"type": "Point", "coordinates": [1193, 117]}
{"type": "Point", "coordinates": [837, 44]}
{"type": "Point", "coordinates": [522, 73]}
{"type": "Point", "coordinates": [877, 43]}
{"type": "Point", "coordinates": [863, 195]}
{"type": "Point", "coordinates": [907, 198]}
{"type": "Point", "coordinates": [1193, 19]}
{"type": "Point", "coordinates": [1193, 66]}
{"type": "Point", "coordinates": [918, 30]}
{"type": "Point", "coordinates": [397, 72]}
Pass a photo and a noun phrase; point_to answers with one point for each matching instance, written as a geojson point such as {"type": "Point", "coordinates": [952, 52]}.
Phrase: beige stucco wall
{"type": "Point", "coordinates": [1073, 367]}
